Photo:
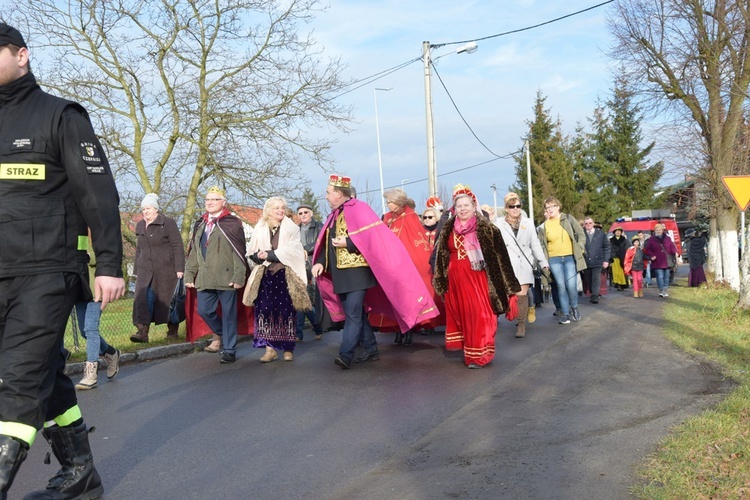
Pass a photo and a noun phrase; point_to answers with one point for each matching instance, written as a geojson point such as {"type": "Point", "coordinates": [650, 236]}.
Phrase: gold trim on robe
{"type": "Point", "coordinates": [344, 258]}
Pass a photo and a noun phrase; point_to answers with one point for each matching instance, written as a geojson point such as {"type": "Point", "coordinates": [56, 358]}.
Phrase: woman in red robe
{"type": "Point", "coordinates": [474, 274]}
{"type": "Point", "coordinates": [406, 224]}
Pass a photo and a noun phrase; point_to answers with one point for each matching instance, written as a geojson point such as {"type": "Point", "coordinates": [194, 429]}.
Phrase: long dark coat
{"type": "Point", "coordinates": [159, 256]}
{"type": "Point", "coordinates": [500, 276]}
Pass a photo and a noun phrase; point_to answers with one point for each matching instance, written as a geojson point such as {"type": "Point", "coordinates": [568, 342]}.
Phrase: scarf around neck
{"type": "Point", "coordinates": [468, 230]}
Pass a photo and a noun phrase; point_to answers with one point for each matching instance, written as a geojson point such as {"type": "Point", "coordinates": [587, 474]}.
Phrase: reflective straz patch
{"type": "Point", "coordinates": [22, 171]}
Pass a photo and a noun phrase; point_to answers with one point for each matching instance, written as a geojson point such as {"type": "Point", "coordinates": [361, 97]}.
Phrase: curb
{"type": "Point", "coordinates": [148, 354]}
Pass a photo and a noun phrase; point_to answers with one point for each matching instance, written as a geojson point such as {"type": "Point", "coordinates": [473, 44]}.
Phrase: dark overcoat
{"type": "Point", "coordinates": [159, 256]}
{"type": "Point", "coordinates": [500, 276]}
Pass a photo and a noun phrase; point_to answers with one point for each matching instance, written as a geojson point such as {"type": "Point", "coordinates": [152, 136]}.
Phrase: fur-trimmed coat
{"type": "Point", "coordinates": [500, 276]}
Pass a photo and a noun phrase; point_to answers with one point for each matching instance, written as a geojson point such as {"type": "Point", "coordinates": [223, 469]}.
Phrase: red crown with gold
{"type": "Point", "coordinates": [434, 202]}
{"type": "Point", "coordinates": [340, 181]}
{"type": "Point", "coordinates": [460, 189]}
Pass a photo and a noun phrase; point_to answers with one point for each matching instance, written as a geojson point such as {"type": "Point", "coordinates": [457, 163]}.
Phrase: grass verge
{"type": "Point", "coordinates": [708, 456]}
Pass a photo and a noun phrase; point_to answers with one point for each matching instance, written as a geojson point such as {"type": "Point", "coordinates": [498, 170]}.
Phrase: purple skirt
{"type": "Point", "coordinates": [696, 277]}
{"type": "Point", "coordinates": [275, 316]}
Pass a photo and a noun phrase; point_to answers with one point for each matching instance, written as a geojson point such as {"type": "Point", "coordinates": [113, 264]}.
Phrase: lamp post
{"type": "Point", "coordinates": [528, 181]}
{"type": "Point", "coordinates": [468, 48]}
{"type": "Point", "coordinates": [494, 197]}
{"type": "Point", "coordinates": [380, 158]}
{"type": "Point", "coordinates": [403, 181]}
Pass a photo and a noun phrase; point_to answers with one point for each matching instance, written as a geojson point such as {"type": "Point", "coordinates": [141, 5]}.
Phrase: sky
{"type": "Point", "coordinates": [494, 88]}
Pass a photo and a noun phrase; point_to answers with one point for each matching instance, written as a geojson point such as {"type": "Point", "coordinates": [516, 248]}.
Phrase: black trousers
{"type": "Point", "coordinates": [33, 313]}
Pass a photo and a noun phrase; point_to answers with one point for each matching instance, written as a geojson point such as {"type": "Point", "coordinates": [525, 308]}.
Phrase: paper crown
{"type": "Point", "coordinates": [217, 190]}
{"type": "Point", "coordinates": [434, 202]}
{"type": "Point", "coordinates": [340, 181]}
{"type": "Point", "coordinates": [460, 189]}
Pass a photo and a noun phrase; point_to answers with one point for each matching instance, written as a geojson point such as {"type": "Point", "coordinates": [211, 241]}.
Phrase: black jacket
{"type": "Point", "coordinates": [55, 182]}
{"type": "Point", "coordinates": [597, 248]}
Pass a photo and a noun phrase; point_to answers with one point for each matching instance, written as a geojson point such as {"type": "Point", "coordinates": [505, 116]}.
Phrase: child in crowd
{"type": "Point", "coordinates": [635, 263]}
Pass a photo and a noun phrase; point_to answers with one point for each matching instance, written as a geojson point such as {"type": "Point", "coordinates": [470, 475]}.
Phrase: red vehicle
{"type": "Point", "coordinates": [631, 226]}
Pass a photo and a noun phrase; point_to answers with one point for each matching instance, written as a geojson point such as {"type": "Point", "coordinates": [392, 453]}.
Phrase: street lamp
{"type": "Point", "coordinates": [494, 197]}
{"type": "Point", "coordinates": [377, 133]}
{"type": "Point", "coordinates": [468, 48]}
{"type": "Point", "coordinates": [403, 181]}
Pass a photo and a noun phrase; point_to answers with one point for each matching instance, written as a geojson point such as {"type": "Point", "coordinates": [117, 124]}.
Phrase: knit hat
{"type": "Point", "coordinates": [689, 233]}
{"type": "Point", "coordinates": [150, 200]}
{"type": "Point", "coordinates": [635, 238]}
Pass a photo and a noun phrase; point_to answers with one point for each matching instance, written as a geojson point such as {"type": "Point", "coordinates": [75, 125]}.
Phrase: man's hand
{"type": "Point", "coordinates": [605, 265]}
{"type": "Point", "coordinates": [180, 275]}
{"type": "Point", "coordinates": [317, 270]}
{"type": "Point", "coordinates": [108, 289]}
{"type": "Point", "coordinates": [339, 241]}
{"type": "Point", "coordinates": [189, 285]}
{"type": "Point", "coordinates": [236, 285]}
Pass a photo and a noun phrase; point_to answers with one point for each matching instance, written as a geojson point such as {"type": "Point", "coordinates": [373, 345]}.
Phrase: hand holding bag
{"type": "Point", "coordinates": [177, 305]}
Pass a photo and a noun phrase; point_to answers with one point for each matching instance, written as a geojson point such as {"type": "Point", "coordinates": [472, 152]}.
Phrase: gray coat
{"type": "Point", "coordinates": [524, 249]}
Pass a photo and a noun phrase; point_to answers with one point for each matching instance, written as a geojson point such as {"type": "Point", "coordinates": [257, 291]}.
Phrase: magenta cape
{"type": "Point", "coordinates": [401, 294]}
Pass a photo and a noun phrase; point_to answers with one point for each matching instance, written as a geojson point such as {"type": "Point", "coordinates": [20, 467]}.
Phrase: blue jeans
{"type": "Point", "coordinates": [310, 315]}
{"type": "Point", "coordinates": [87, 315]}
{"type": "Point", "coordinates": [662, 279]}
{"type": "Point", "coordinates": [566, 277]}
{"type": "Point", "coordinates": [226, 325]}
{"type": "Point", "coordinates": [356, 325]}
{"type": "Point", "coordinates": [647, 275]}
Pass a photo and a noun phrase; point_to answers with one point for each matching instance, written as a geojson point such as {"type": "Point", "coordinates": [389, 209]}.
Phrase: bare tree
{"type": "Point", "coordinates": [193, 92]}
{"type": "Point", "coordinates": [691, 58]}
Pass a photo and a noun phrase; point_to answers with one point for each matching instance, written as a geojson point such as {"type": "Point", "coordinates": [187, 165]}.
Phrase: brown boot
{"type": "Point", "coordinates": [141, 335]}
{"type": "Point", "coordinates": [523, 311]}
{"type": "Point", "coordinates": [172, 330]}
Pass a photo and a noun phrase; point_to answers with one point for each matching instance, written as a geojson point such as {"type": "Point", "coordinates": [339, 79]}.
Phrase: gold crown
{"type": "Point", "coordinates": [340, 181]}
{"type": "Point", "coordinates": [217, 190]}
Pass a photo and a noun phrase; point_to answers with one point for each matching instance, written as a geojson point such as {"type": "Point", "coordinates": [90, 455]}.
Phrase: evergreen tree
{"type": "Point", "coordinates": [309, 198]}
{"type": "Point", "coordinates": [624, 178]}
{"type": "Point", "coordinates": [551, 169]}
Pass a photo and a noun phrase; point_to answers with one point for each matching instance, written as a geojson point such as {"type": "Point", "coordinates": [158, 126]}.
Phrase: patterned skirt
{"type": "Point", "coordinates": [275, 316]}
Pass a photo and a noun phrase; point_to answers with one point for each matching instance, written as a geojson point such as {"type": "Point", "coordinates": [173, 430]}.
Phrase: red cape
{"type": "Point", "coordinates": [401, 293]}
{"type": "Point", "coordinates": [197, 328]}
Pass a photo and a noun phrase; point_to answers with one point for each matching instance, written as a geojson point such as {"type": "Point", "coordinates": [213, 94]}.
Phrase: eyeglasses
{"type": "Point", "coordinates": [428, 217]}
{"type": "Point", "coordinates": [550, 207]}
{"type": "Point", "coordinates": [514, 206]}
{"type": "Point", "coordinates": [214, 199]}
{"type": "Point", "coordinates": [303, 212]}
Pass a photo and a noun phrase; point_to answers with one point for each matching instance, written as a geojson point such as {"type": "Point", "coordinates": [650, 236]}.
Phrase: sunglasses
{"type": "Point", "coordinates": [514, 206]}
{"type": "Point", "coordinates": [303, 212]}
{"type": "Point", "coordinates": [428, 217]}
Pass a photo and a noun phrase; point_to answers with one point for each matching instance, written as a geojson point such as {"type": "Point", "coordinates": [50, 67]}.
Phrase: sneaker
{"type": "Point", "coordinates": [576, 315]}
{"type": "Point", "coordinates": [558, 312]}
{"type": "Point", "coordinates": [90, 369]}
{"type": "Point", "coordinates": [665, 294]}
{"type": "Point", "coordinates": [594, 299]}
{"type": "Point", "coordinates": [227, 358]}
{"type": "Point", "coordinates": [661, 294]}
{"type": "Point", "coordinates": [113, 364]}
{"type": "Point", "coordinates": [564, 320]}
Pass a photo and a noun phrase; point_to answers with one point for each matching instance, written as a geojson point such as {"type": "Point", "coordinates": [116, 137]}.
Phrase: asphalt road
{"type": "Point", "coordinates": [564, 413]}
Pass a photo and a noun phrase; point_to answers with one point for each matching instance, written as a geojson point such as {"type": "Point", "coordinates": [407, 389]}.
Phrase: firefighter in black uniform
{"type": "Point", "coordinates": [54, 183]}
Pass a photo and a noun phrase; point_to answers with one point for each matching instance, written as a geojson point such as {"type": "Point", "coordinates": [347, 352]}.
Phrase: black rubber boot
{"type": "Point", "coordinates": [409, 338]}
{"type": "Point", "coordinates": [12, 454]}
{"type": "Point", "coordinates": [77, 478]}
{"type": "Point", "coordinates": [399, 339]}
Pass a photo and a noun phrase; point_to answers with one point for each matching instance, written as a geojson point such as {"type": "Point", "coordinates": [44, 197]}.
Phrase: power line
{"type": "Point", "coordinates": [460, 114]}
{"type": "Point", "coordinates": [524, 29]}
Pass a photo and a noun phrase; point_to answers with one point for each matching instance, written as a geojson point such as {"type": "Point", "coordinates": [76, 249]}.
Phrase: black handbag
{"type": "Point", "coordinates": [177, 305]}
